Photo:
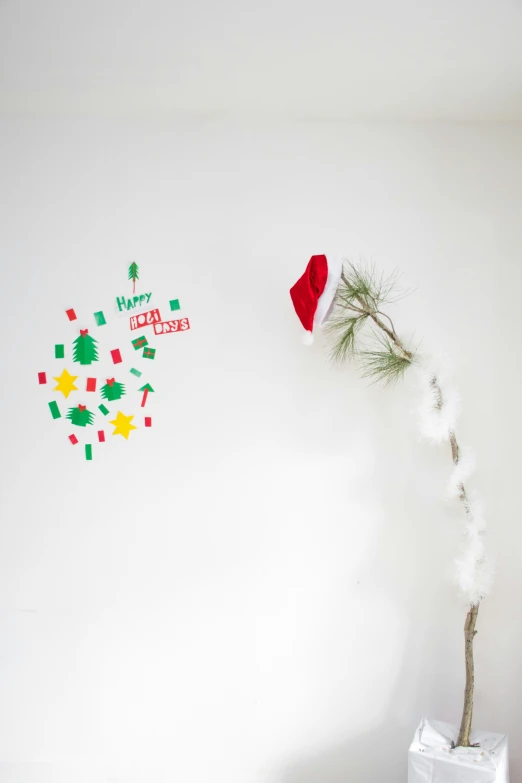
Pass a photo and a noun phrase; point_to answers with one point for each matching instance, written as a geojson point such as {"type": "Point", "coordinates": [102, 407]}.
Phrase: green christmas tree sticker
{"type": "Point", "coordinates": [134, 275]}
{"type": "Point", "coordinates": [112, 390]}
{"type": "Point", "coordinates": [80, 416]}
{"type": "Point", "coordinates": [84, 348]}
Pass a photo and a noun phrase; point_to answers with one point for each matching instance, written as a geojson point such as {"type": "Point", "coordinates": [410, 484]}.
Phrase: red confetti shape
{"type": "Point", "coordinates": [144, 400]}
{"type": "Point", "coordinates": [101, 436]}
{"type": "Point", "coordinates": [42, 377]}
{"type": "Point", "coordinates": [148, 421]}
{"type": "Point", "coordinates": [91, 384]}
{"type": "Point", "coordinates": [73, 439]}
{"type": "Point", "coordinates": [116, 356]}
{"type": "Point", "coordinates": [71, 315]}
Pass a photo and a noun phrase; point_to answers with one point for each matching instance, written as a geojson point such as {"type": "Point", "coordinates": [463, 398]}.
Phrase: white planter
{"type": "Point", "coordinates": [431, 759]}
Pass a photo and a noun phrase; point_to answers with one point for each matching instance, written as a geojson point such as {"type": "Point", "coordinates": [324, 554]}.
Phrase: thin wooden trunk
{"type": "Point", "coordinates": [467, 714]}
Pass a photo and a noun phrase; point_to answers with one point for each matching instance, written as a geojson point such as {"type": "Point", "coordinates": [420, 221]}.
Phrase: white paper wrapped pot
{"type": "Point", "coordinates": [431, 759]}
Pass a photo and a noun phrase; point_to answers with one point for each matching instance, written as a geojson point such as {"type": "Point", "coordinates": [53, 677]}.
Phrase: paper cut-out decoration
{"type": "Point", "coordinates": [134, 274]}
{"type": "Point", "coordinates": [174, 304]}
{"type": "Point", "coordinates": [125, 303]}
{"type": "Point", "coordinates": [135, 372]}
{"type": "Point", "coordinates": [65, 383]}
{"type": "Point", "coordinates": [122, 425]}
{"type": "Point", "coordinates": [116, 356]}
{"type": "Point", "coordinates": [144, 398]}
{"type": "Point", "coordinates": [88, 451]}
{"type": "Point", "coordinates": [103, 409]}
{"type": "Point", "coordinates": [59, 351]}
{"type": "Point", "coordinates": [140, 342]}
{"type": "Point", "coordinates": [55, 410]}
{"type": "Point", "coordinates": [91, 385]}
{"type": "Point", "coordinates": [73, 439]}
{"type": "Point", "coordinates": [71, 315]}
{"type": "Point", "coordinates": [85, 350]}
{"type": "Point", "coordinates": [100, 318]}
{"type": "Point", "coordinates": [166, 327]}
{"type": "Point", "coordinates": [112, 390]}
{"type": "Point", "coordinates": [42, 377]}
{"type": "Point", "coordinates": [80, 416]}
{"type": "Point", "coordinates": [148, 421]}
{"type": "Point", "coordinates": [145, 319]}
{"type": "Point", "coordinates": [149, 353]}
{"type": "Point", "coordinates": [101, 436]}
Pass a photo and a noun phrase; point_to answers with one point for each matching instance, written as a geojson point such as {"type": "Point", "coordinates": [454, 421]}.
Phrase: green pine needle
{"type": "Point", "coordinates": [384, 366]}
{"type": "Point", "coordinates": [345, 329]}
{"type": "Point", "coordinates": [362, 288]}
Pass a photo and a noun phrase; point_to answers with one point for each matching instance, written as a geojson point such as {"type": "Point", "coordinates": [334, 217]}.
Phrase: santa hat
{"type": "Point", "coordinates": [314, 292]}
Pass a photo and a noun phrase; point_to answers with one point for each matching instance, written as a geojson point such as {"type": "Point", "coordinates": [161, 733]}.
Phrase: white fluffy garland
{"type": "Point", "coordinates": [473, 571]}
{"type": "Point", "coordinates": [436, 423]}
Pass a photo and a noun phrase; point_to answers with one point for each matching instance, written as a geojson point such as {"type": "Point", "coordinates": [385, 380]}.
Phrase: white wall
{"type": "Point", "coordinates": [261, 592]}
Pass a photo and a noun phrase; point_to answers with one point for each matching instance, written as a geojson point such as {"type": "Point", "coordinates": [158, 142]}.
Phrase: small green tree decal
{"type": "Point", "coordinates": [84, 348]}
{"type": "Point", "coordinates": [112, 390]}
{"type": "Point", "coordinates": [80, 416]}
{"type": "Point", "coordinates": [134, 274]}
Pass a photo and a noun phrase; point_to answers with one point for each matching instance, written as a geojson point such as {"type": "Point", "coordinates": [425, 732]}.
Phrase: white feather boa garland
{"type": "Point", "coordinates": [438, 413]}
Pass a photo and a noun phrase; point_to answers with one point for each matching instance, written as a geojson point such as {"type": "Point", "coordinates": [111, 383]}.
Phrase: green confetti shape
{"type": "Point", "coordinates": [174, 304]}
{"type": "Point", "coordinates": [135, 372]}
{"type": "Point", "coordinates": [55, 410]}
{"type": "Point", "coordinates": [59, 351]}
{"type": "Point", "coordinates": [99, 318]}
{"type": "Point", "coordinates": [103, 409]}
{"type": "Point", "coordinates": [88, 451]}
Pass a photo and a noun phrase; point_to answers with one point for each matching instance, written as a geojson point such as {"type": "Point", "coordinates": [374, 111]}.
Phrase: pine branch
{"type": "Point", "coordinates": [386, 365]}
{"type": "Point", "coordinates": [362, 284]}
{"type": "Point", "coordinates": [360, 295]}
{"type": "Point", "coordinates": [346, 328]}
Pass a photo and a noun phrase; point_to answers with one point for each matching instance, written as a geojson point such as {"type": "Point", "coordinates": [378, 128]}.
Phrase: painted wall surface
{"type": "Point", "coordinates": [258, 592]}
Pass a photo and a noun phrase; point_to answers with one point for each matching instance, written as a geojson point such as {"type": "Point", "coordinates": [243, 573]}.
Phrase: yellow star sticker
{"type": "Point", "coordinates": [65, 383]}
{"type": "Point", "coordinates": [122, 425]}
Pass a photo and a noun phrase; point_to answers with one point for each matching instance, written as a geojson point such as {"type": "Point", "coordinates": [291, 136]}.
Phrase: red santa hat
{"type": "Point", "coordinates": [314, 292]}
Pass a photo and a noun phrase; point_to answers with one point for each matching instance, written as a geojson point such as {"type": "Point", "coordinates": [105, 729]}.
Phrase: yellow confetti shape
{"type": "Point", "coordinates": [65, 383]}
{"type": "Point", "coordinates": [122, 425]}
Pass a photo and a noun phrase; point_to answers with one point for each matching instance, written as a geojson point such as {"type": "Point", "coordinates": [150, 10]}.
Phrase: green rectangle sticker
{"type": "Point", "coordinates": [135, 372]}
{"type": "Point", "coordinates": [55, 410]}
{"type": "Point", "coordinates": [103, 409]}
{"type": "Point", "coordinates": [88, 451]}
{"type": "Point", "coordinates": [59, 351]}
